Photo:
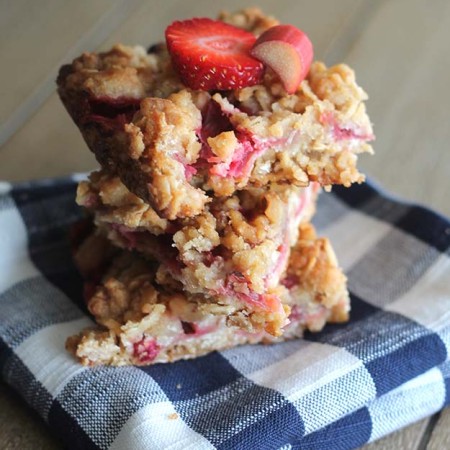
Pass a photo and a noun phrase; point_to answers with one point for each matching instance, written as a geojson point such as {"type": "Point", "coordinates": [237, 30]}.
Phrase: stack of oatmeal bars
{"type": "Point", "coordinates": [202, 207]}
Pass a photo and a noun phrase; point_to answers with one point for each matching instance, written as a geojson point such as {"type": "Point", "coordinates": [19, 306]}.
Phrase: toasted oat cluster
{"type": "Point", "coordinates": [211, 163]}
{"type": "Point", "coordinates": [141, 322]}
{"type": "Point", "coordinates": [175, 147]}
{"type": "Point", "coordinates": [236, 250]}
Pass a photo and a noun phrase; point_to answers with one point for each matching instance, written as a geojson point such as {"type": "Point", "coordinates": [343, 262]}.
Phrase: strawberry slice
{"type": "Point", "coordinates": [209, 54]}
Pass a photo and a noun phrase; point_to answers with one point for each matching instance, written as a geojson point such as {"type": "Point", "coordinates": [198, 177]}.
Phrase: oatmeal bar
{"type": "Point", "coordinates": [177, 147]}
{"type": "Point", "coordinates": [141, 322]}
{"type": "Point", "coordinates": [236, 250]}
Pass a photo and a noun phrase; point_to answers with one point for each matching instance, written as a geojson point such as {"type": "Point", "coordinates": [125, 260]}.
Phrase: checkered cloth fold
{"type": "Point", "coordinates": [341, 388]}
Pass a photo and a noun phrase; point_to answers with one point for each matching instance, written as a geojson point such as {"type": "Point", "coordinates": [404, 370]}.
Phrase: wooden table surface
{"type": "Point", "coordinates": [400, 50]}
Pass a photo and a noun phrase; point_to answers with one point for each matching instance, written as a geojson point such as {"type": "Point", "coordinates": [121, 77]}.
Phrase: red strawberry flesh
{"type": "Point", "coordinates": [212, 55]}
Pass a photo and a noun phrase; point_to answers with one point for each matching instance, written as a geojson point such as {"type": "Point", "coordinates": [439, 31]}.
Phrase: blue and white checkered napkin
{"type": "Point", "coordinates": [341, 388]}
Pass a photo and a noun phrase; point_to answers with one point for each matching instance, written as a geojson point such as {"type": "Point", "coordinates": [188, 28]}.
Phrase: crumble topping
{"type": "Point", "coordinates": [128, 105]}
{"type": "Point", "coordinates": [242, 228]}
{"type": "Point", "coordinates": [237, 248]}
{"type": "Point", "coordinates": [250, 19]}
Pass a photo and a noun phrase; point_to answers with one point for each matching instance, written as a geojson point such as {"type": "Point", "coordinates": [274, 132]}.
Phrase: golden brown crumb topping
{"type": "Point", "coordinates": [175, 147]}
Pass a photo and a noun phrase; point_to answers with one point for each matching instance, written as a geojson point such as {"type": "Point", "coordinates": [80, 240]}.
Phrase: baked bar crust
{"type": "Point", "coordinates": [236, 250]}
{"type": "Point", "coordinates": [176, 148]}
{"type": "Point", "coordinates": [141, 322]}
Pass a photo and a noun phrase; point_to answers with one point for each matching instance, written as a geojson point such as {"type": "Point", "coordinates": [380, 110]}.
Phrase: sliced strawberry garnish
{"type": "Point", "coordinates": [209, 54]}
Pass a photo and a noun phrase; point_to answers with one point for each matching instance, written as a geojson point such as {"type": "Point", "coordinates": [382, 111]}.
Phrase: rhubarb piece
{"type": "Point", "coordinates": [288, 52]}
{"type": "Point", "coordinates": [210, 54]}
{"type": "Point", "coordinates": [141, 323]}
{"type": "Point", "coordinates": [237, 248]}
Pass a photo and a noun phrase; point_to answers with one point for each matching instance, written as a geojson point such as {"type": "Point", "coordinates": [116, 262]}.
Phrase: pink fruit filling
{"type": "Point", "coordinates": [192, 329]}
{"type": "Point", "coordinates": [130, 237]}
{"type": "Point", "coordinates": [91, 201]}
{"type": "Point", "coordinates": [112, 112]}
{"type": "Point", "coordinates": [237, 286]}
{"type": "Point", "coordinates": [307, 316]}
{"type": "Point", "coordinates": [146, 350]}
{"type": "Point", "coordinates": [189, 171]}
{"type": "Point", "coordinates": [291, 225]}
{"type": "Point", "coordinates": [344, 133]}
{"type": "Point", "coordinates": [290, 281]}
{"type": "Point", "coordinates": [114, 107]}
{"type": "Point", "coordinates": [188, 327]}
{"type": "Point", "coordinates": [158, 246]}
{"type": "Point", "coordinates": [283, 256]}
{"type": "Point", "coordinates": [241, 162]}
{"type": "Point", "coordinates": [268, 302]}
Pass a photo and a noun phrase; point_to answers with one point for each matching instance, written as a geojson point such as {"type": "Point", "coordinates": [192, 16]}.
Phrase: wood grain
{"type": "Point", "coordinates": [20, 427]}
{"type": "Point", "coordinates": [440, 437]}
{"type": "Point", "coordinates": [36, 38]}
{"type": "Point", "coordinates": [408, 438]}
